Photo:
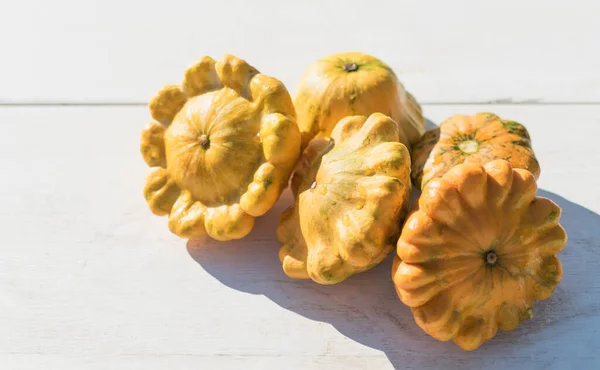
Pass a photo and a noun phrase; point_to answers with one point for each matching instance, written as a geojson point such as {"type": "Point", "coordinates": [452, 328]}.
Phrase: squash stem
{"type": "Point", "coordinates": [350, 67]}
{"type": "Point", "coordinates": [491, 258]}
{"type": "Point", "coordinates": [204, 141]}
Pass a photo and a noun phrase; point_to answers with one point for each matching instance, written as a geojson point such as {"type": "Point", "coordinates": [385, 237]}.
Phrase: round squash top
{"type": "Point", "coordinates": [353, 83]}
{"type": "Point", "coordinates": [221, 147]}
{"type": "Point", "coordinates": [352, 65]}
{"type": "Point", "coordinates": [213, 146]}
{"type": "Point", "coordinates": [476, 139]}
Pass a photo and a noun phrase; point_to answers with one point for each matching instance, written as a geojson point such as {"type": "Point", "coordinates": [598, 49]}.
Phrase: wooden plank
{"type": "Point", "coordinates": [444, 51]}
{"type": "Point", "coordinates": [89, 279]}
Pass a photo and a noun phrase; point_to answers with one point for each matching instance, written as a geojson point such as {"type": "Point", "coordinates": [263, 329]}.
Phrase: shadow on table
{"type": "Point", "coordinates": [365, 307]}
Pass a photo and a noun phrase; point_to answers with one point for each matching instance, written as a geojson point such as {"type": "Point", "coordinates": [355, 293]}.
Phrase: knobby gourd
{"type": "Point", "coordinates": [221, 148]}
{"type": "Point", "coordinates": [476, 252]}
{"type": "Point", "coordinates": [471, 139]}
{"type": "Point", "coordinates": [351, 193]}
{"type": "Point", "coordinates": [348, 84]}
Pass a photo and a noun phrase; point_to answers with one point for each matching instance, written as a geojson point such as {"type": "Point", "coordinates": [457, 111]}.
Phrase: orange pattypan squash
{"type": "Point", "coordinates": [221, 148]}
{"type": "Point", "coordinates": [352, 192]}
{"type": "Point", "coordinates": [477, 251]}
{"type": "Point", "coordinates": [471, 139]}
{"type": "Point", "coordinates": [348, 84]}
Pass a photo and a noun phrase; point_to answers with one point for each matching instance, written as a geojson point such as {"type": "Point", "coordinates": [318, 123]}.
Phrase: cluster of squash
{"type": "Point", "coordinates": [472, 254]}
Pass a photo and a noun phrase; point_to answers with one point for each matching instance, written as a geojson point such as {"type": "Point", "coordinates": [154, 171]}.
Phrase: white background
{"type": "Point", "coordinates": [90, 279]}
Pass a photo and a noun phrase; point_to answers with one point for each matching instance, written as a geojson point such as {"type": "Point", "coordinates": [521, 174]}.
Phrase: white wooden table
{"type": "Point", "coordinates": [89, 279]}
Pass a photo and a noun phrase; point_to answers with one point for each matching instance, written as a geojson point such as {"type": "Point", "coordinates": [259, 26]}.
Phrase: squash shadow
{"type": "Point", "coordinates": [365, 308]}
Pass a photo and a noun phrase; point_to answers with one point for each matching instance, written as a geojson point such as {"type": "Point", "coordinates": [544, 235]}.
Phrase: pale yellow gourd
{"type": "Point", "coordinates": [348, 84]}
{"type": "Point", "coordinates": [221, 148]}
{"type": "Point", "coordinates": [352, 193]}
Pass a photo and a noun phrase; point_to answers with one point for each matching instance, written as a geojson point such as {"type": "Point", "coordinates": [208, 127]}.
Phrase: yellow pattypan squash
{"type": "Point", "coordinates": [351, 194]}
{"type": "Point", "coordinates": [478, 139]}
{"type": "Point", "coordinates": [477, 251]}
{"type": "Point", "coordinates": [348, 84]}
{"type": "Point", "coordinates": [221, 148]}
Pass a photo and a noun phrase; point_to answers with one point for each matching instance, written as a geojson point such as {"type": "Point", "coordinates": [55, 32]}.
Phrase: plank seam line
{"type": "Point", "coordinates": [140, 104]}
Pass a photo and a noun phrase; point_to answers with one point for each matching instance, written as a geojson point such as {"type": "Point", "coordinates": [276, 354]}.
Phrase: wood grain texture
{"type": "Point", "coordinates": [444, 51]}
{"type": "Point", "coordinates": [90, 279]}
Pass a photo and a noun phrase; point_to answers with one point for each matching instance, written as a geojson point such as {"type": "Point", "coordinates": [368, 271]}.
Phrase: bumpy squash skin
{"type": "Point", "coordinates": [476, 252]}
{"type": "Point", "coordinates": [348, 84]}
{"type": "Point", "coordinates": [351, 192]}
{"type": "Point", "coordinates": [221, 148]}
{"type": "Point", "coordinates": [476, 139]}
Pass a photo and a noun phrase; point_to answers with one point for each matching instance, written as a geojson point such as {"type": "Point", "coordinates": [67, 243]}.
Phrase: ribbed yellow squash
{"type": "Point", "coordinates": [352, 192]}
{"type": "Point", "coordinates": [348, 84]}
{"type": "Point", "coordinates": [477, 251]}
{"type": "Point", "coordinates": [221, 148]}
